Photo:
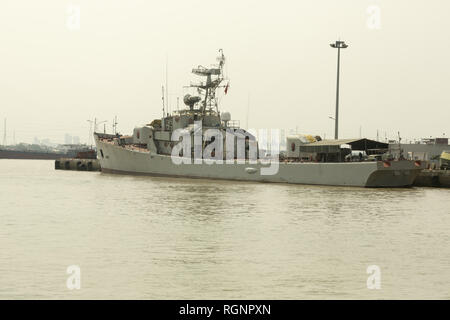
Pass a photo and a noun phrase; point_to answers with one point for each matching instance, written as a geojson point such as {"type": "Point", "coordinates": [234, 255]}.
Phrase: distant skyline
{"type": "Point", "coordinates": [66, 62]}
{"type": "Point", "coordinates": [9, 138]}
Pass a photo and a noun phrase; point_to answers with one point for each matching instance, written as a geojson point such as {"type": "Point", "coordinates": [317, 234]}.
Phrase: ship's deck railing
{"type": "Point", "coordinates": [232, 123]}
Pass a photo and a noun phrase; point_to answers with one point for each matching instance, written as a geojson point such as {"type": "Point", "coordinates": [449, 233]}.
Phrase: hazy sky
{"type": "Point", "coordinates": [395, 73]}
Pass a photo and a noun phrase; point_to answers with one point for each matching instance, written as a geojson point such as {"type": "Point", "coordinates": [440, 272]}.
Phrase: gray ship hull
{"type": "Point", "coordinates": [118, 159]}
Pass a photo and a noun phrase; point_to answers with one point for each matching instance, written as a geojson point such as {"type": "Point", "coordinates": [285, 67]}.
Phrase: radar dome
{"type": "Point", "coordinates": [226, 116]}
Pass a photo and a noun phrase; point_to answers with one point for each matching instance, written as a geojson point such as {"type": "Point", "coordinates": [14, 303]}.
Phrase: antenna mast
{"type": "Point", "coordinates": [114, 125]}
{"type": "Point", "coordinates": [167, 83]}
{"type": "Point", "coordinates": [400, 150]}
{"type": "Point", "coordinates": [4, 133]}
{"type": "Point", "coordinates": [163, 101]}
{"type": "Point", "coordinates": [248, 111]}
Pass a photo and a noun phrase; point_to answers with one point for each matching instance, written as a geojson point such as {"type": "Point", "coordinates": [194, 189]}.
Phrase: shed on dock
{"type": "Point", "coordinates": [336, 150]}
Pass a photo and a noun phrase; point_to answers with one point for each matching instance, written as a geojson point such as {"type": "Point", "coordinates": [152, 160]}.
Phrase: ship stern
{"type": "Point", "coordinates": [394, 174]}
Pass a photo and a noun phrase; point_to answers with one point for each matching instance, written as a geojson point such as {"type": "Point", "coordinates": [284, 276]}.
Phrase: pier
{"type": "Point", "coordinates": [77, 164]}
{"type": "Point", "coordinates": [433, 178]}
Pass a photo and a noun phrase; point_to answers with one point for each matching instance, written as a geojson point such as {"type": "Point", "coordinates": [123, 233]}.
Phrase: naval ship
{"type": "Point", "coordinates": [200, 141]}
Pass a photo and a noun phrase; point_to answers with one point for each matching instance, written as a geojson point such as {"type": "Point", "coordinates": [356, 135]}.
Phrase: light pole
{"type": "Point", "coordinates": [332, 118]}
{"type": "Point", "coordinates": [339, 45]}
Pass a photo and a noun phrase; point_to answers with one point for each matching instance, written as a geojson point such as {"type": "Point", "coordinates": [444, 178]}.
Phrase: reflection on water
{"type": "Point", "coordinates": [158, 238]}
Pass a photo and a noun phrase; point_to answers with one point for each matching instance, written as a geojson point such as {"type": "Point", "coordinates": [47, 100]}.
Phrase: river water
{"type": "Point", "coordinates": [166, 238]}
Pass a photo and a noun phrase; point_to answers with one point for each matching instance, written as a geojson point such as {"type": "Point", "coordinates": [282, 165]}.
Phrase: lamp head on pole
{"type": "Point", "coordinates": [339, 45]}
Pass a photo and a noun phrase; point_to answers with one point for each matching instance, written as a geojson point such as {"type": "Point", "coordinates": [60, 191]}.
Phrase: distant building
{"type": "Point", "coordinates": [434, 141]}
{"type": "Point", "coordinates": [76, 140]}
{"type": "Point", "coordinates": [67, 139]}
{"type": "Point", "coordinates": [426, 149]}
{"type": "Point", "coordinates": [46, 142]}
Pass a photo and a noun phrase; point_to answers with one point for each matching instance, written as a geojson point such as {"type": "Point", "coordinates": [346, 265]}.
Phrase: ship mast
{"type": "Point", "coordinates": [214, 77]}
